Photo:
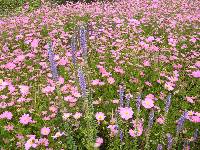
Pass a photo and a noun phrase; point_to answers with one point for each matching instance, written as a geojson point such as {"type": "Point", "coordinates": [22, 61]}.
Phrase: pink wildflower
{"type": "Point", "coordinates": [32, 142]}
{"type": "Point", "coordinates": [34, 43]}
{"type": "Point", "coordinates": [45, 131]}
{"type": "Point", "coordinates": [24, 89]}
{"type": "Point", "coordinates": [77, 115]}
{"type": "Point", "coordinates": [100, 116]}
{"type": "Point", "coordinates": [196, 74]}
{"type": "Point", "coordinates": [148, 103]}
{"type": "Point", "coordinates": [126, 112]}
{"type": "Point", "coordinates": [25, 119]}
{"type": "Point", "coordinates": [9, 127]}
{"type": "Point", "coordinates": [160, 120]}
{"type": "Point", "coordinates": [6, 115]}
{"type": "Point", "coordinates": [99, 141]}
{"type": "Point", "coordinates": [111, 80]}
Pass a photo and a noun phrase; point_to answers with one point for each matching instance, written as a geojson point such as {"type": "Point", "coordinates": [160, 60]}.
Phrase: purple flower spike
{"type": "Point", "coordinates": [83, 41]}
{"type": "Point", "coordinates": [168, 103]}
{"type": "Point", "coordinates": [159, 147]}
{"type": "Point", "coordinates": [52, 63]}
{"type": "Point", "coordinates": [169, 141]}
{"type": "Point", "coordinates": [181, 122]}
{"type": "Point", "coordinates": [151, 118]}
{"type": "Point", "coordinates": [121, 95]}
{"type": "Point", "coordinates": [82, 82]}
{"type": "Point", "coordinates": [195, 136]}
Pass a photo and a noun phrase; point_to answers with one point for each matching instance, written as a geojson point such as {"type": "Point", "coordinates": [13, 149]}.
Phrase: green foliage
{"type": "Point", "coordinates": [11, 6]}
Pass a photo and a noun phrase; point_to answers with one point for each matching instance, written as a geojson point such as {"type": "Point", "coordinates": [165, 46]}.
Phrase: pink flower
{"type": "Point", "coordinates": [24, 89]}
{"type": "Point", "coordinates": [45, 131]}
{"type": "Point", "coordinates": [9, 127]}
{"type": "Point", "coordinates": [148, 103]}
{"type": "Point", "coordinates": [32, 142]}
{"type": "Point", "coordinates": [34, 43]}
{"type": "Point", "coordinates": [150, 39]}
{"type": "Point", "coordinates": [6, 115]}
{"type": "Point", "coordinates": [126, 112]}
{"type": "Point", "coordinates": [119, 70]}
{"type": "Point", "coordinates": [48, 89]}
{"type": "Point", "coordinates": [99, 141]}
{"type": "Point", "coordinates": [113, 129]}
{"type": "Point", "coordinates": [43, 141]}
{"type": "Point", "coordinates": [190, 99]}
{"type": "Point", "coordinates": [138, 129]}
{"type": "Point", "coordinates": [169, 86]}
{"type": "Point", "coordinates": [58, 134]}
{"type": "Point", "coordinates": [25, 119]}
{"type": "Point", "coordinates": [111, 80]}
{"type": "Point", "coordinates": [197, 64]}
{"type": "Point", "coordinates": [70, 99]}
{"type": "Point", "coordinates": [66, 116]}
{"type": "Point", "coordinates": [77, 115]}
{"type": "Point", "coordinates": [95, 82]}
{"type": "Point", "coordinates": [10, 66]}
{"type": "Point", "coordinates": [193, 40]}
{"type": "Point", "coordinates": [146, 63]}
{"type": "Point", "coordinates": [160, 120]}
{"type": "Point", "coordinates": [196, 74]}
{"type": "Point", "coordinates": [100, 116]}
{"type": "Point", "coordinates": [53, 109]}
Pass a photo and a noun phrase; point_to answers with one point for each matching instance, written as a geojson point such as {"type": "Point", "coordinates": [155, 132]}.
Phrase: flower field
{"type": "Point", "coordinates": [122, 75]}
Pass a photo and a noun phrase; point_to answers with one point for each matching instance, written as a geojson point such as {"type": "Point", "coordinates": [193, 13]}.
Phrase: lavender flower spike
{"type": "Point", "coordinates": [195, 136]}
{"type": "Point", "coordinates": [83, 41]}
{"type": "Point", "coordinates": [73, 48]}
{"type": "Point", "coordinates": [169, 141]}
{"type": "Point", "coordinates": [151, 117]}
{"type": "Point", "coordinates": [181, 122]}
{"type": "Point", "coordinates": [82, 82]}
{"type": "Point", "coordinates": [121, 95]}
{"type": "Point", "coordinates": [159, 147]}
{"type": "Point", "coordinates": [138, 103]}
{"type": "Point", "coordinates": [52, 63]}
{"type": "Point", "coordinates": [121, 135]}
{"type": "Point", "coordinates": [168, 103]}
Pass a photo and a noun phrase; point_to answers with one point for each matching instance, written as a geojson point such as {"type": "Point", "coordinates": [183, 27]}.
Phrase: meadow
{"type": "Point", "coordinates": [121, 75]}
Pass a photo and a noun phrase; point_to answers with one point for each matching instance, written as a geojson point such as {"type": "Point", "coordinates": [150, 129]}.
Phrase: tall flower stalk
{"type": "Point", "coordinates": [179, 126]}
{"type": "Point", "coordinates": [148, 132]}
{"type": "Point", "coordinates": [121, 95]}
{"type": "Point", "coordinates": [53, 66]}
{"type": "Point", "coordinates": [159, 147]}
{"type": "Point", "coordinates": [138, 104]}
{"type": "Point", "coordinates": [83, 41]}
{"type": "Point", "coordinates": [55, 76]}
{"type": "Point", "coordinates": [89, 129]}
{"type": "Point", "coordinates": [82, 82]}
{"type": "Point", "coordinates": [169, 141]}
{"type": "Point", "coordinates": [167, 106]}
